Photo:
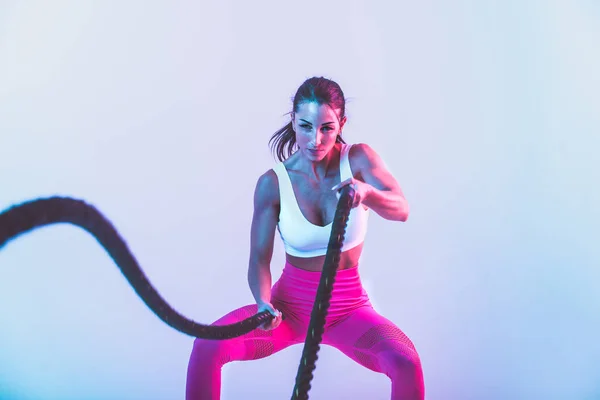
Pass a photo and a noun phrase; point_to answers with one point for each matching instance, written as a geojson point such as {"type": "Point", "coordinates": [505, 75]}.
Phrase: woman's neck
{"type": "Point", "coordinates": [319, 170]}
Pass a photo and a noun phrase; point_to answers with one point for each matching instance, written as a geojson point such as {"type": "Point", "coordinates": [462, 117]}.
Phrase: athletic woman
{"type": "Point", "coordinates": [298, 197]}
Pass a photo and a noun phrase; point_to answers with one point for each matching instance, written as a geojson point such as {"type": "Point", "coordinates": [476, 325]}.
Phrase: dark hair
{"type": "Point", "coordinates": [316, 89]}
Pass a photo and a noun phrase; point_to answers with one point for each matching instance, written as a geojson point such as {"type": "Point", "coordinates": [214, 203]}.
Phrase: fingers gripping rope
{"type": "Point", "coordinates": [28, 216]}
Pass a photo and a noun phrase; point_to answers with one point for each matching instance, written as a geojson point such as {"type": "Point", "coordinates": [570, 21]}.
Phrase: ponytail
{"type": "Point", "coordinates": [283, 141]}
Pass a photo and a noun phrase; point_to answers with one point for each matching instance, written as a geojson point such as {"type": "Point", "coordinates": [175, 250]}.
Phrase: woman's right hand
{"type": "Point", "coordinates": [274, 323]}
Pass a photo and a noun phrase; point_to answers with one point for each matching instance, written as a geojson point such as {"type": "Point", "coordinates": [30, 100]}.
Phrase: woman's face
{"type": "Point", "coordinates": [316, 127]}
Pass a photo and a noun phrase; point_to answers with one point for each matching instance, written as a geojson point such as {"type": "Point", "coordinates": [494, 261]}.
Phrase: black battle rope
{"type": "Point", "coordinates": [30, 215]}
{"type": "Point", "coordinates": [316, 325]}
{"type": "Point", "coordinates": [37, 213]}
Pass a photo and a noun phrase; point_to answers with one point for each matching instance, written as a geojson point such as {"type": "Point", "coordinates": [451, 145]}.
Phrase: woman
{"type": "Point", "coordinates": [299, 197]}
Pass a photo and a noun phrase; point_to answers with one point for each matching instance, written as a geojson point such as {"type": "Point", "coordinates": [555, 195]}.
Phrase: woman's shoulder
{"type": "Point", "coordinates": [267, 188]}
{"type": "Point", "coordinates": [361, 156]}
{"type": "Point", "coordinates": [360, 149]}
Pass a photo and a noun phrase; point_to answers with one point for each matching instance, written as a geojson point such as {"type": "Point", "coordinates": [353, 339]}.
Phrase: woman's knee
{"type": "Point", "coordinates": [210, 351]}
{"type": "Point", "coordinates": [404, 370]}
{"type": "Point", "coordinates": [402, 362]}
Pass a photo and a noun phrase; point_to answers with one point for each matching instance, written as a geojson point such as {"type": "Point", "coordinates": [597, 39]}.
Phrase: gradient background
{"type": "Point", "coordinates": [159, 114]}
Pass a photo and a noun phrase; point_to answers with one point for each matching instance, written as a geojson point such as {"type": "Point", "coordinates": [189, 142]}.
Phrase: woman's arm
{"type": "Point", "coordinates": [262, 235]}
{"type": "Point", "coordinates": [383, 193]}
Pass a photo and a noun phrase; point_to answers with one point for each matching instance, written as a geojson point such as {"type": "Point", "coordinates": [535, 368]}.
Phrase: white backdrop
{"type": "Point", "coordinates": [159, 114]}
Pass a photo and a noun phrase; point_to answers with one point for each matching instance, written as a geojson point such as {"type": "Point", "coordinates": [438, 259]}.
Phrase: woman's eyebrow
{"type": "Point", "coordinates": [324, 123]}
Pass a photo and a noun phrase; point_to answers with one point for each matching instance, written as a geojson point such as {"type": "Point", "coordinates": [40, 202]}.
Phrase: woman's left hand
{"type": "Point", "coordinates": [361, 190]}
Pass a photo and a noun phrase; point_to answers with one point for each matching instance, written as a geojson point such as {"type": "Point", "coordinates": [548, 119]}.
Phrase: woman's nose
{"type": "Point", "coordinates": [316, 139]}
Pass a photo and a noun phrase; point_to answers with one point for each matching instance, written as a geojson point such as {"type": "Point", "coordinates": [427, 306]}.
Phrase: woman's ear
{"type": "Point", "coordinates": [342, 123]}
{"type": "Point", "coordinates": [293, 121]}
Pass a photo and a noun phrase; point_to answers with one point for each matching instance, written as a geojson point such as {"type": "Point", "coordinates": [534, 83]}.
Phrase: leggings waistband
{"type": "Point", "coordinates": [297, 288]}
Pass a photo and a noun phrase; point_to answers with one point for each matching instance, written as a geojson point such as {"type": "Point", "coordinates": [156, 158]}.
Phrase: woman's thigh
{"type": "Point", "coordinates": [369, 338]}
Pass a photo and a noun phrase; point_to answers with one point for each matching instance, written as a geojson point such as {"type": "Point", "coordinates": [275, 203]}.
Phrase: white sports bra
{"type": "Point", "coordinates": [302, 238]}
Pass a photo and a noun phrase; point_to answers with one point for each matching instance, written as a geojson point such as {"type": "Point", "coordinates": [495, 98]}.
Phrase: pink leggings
{"type": "Point", "coordinates": [352, 326]}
